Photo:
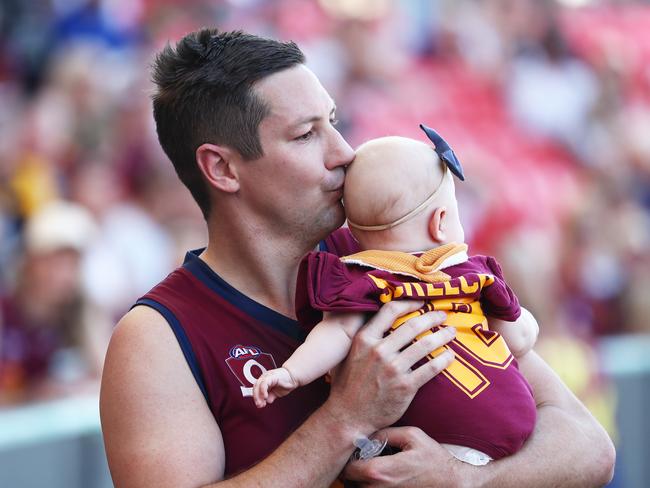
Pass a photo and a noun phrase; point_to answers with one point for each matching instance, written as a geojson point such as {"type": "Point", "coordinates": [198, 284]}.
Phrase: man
{"type": "Point", "coordinates": [250, 131]}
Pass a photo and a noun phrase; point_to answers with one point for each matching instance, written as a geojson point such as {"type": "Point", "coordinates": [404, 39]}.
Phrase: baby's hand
{"type": "Point", "coordinates": [273, 384]}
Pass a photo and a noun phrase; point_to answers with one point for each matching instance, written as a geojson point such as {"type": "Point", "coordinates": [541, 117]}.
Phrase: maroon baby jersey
{"type": "Point", "coordinates": [481, 401]}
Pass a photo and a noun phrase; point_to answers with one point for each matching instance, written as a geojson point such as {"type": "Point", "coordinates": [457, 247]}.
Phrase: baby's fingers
{"type": "Point", "coordinates": [271, 398]}
{"type": "Point", "coordinates": [260, 392]}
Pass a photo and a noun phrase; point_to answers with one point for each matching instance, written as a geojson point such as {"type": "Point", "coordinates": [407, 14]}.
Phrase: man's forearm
{"type": "Point", "coordinates": [567, 448]}
{"type": "Point", "coordinates": [370, 390]}
{"type": "Point", "coordinates": [313, 455]}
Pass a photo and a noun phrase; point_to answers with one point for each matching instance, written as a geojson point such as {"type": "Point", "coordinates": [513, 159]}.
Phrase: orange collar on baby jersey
{"type": "Point", "coordinates": [427, 267]}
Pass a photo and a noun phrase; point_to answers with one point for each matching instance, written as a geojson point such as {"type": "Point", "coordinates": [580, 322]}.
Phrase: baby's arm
{"type": "Point", "coordinates": [520, 335]}
{"type": "Point", "coordinates": [326, 346]}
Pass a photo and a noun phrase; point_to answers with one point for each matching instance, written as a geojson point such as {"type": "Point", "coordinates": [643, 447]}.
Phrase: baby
{"type": "Point", "coordinates": [401, 207]}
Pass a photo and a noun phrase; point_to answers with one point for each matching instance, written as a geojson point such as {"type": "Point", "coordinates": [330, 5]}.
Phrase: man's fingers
{"type": "Point", "coordinates": [380, 323]}
{"type": "Point", "coordinates": [432, 367]}
{"type": "Point", "coordinates": [412, 328]}
{"type": "Point", "coordinates": [420, 461]}
{"type": "Point", "coordinates": [399, 437]}
{"type": "Point", "coordinates": [424, 346]}
{"type": "Point", "coordinates": [364, 471]}
{"type": "Point", "coordinates": [379, 471]}
{"type": "Point", "coordinates": [355, 470]}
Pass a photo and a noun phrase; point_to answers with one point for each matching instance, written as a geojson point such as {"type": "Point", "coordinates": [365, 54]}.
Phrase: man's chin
{"type": "Point", "coordinates": [330, 221]}
{"type": "Point", "coordinates": [340, 220]}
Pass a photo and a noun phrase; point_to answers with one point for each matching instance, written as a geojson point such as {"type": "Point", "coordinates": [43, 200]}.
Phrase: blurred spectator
{"type": "Point", "coordinates": [551, 92]}
{"type": "Point", "coordinates": [50, 335]}
{"type": "Point", "coordinates": [132, 251]}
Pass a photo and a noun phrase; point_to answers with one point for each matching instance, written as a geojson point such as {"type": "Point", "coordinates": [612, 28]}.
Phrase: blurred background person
{"type": "Point", "coordinates": [51, 337]}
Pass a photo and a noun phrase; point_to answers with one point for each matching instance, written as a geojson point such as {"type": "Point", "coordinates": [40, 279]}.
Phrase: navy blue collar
{"type": "Point", "coordinates": [200, 269]}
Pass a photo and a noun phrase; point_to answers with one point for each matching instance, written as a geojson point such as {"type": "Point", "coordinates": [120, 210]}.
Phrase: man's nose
{"type": "Point", "coordinates": [340, 154]}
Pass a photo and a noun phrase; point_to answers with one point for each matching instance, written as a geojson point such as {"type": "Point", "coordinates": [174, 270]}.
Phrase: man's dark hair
{"type": "Point", "coordinates": [204, 95]}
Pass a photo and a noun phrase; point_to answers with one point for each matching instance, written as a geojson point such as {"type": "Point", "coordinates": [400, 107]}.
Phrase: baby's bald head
{"type": "Point", "coordinates": [389, 177]}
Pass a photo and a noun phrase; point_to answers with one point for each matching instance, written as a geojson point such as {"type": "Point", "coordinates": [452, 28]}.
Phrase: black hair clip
{"type": "Point", "coordinates": [444, 152]}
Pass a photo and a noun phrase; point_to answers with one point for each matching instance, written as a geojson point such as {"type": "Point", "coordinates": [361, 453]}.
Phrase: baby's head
{"type": "Point", "coordinates": [391, 177]}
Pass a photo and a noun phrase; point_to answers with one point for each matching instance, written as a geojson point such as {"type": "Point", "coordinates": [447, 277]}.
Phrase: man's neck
{"type": "Point", "coordinates": [261, 266]}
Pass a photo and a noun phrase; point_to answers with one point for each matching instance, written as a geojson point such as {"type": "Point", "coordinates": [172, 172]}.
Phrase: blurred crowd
{"type": "Point", "coordinates": [547, 105]}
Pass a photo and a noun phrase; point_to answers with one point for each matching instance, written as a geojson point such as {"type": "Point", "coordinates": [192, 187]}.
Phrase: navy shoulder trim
{"type": "Point", "coordinates": [214, 282]}
{"type": "Point", "coordinates": [182, 339]}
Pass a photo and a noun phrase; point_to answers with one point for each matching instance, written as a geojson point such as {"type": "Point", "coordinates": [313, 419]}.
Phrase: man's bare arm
{"type": "Point", "coordinates": [568, 448]}
{"type": "Point", "coordinates": [158, 430]}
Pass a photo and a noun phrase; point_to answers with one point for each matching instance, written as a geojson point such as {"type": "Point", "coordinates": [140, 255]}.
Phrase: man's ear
{"type": "Point", "coordinates": [437, 225]}
{"type": "Point", "coordinates": [216, 164]}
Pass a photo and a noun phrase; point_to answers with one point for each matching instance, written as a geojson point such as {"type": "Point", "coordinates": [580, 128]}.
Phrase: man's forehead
{"type": "Point", "coordinates": [294, 95]}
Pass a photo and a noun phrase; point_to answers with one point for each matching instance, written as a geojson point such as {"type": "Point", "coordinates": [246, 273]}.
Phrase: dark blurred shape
{"type": "Point", "coordinates": [43, 337]}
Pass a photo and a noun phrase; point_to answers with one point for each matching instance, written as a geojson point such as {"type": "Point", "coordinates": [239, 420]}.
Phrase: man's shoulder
{"type": "Point", "coordinates": [142, 331]}
{"type": "Point", "coordinates": [180, 285]}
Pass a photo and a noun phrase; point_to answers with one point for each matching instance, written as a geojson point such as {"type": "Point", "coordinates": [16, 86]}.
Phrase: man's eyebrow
{"type": "Point", "coordinates": [314, 118]}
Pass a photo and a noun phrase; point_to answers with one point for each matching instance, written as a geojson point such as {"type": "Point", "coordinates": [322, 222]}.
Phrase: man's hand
{"type": "Point", "coordinates": [273, 384]}
{"type": "Point", "coordinates": [419, 462]}
{"type": "Point", "coordinates": [568, 448]}
{"type": "Point", "coordinates": [374, 386]}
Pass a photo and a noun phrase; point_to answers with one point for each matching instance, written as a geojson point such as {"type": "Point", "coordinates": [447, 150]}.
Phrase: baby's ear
{"type": "Point", "coordinates": [437, 225]}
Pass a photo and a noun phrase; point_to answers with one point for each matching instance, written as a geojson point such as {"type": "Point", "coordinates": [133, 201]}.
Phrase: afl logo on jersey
{"type": "Point", "coordinates": [244, 352]}
{"type": "Point", "coordinates": [247, 363]}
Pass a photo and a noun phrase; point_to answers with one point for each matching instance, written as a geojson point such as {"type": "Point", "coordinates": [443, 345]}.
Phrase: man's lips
{"type": "Point", "coordinates": [337, 186]}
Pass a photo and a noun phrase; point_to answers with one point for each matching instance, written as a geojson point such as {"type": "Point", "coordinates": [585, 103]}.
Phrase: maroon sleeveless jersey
{"type": "Point", "coordinates": [228, 340]}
